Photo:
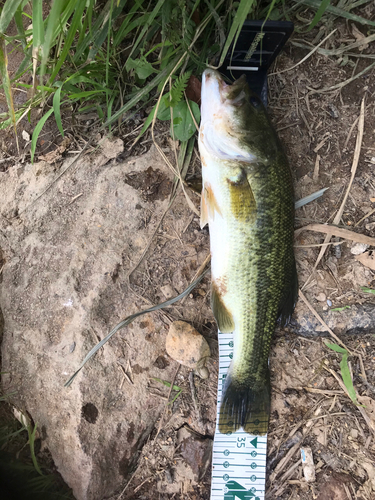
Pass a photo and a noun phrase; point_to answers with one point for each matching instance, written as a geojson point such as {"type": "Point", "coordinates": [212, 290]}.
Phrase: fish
{"type": "Point", "coordinates": [247, 201]}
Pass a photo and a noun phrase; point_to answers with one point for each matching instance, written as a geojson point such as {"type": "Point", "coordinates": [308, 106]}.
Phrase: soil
{"type": "Point", "coordinates": [71, 273]}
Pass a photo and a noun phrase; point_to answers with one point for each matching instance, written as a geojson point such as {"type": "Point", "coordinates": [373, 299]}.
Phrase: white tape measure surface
{"type": "Point", "coordinates": [239, 458]}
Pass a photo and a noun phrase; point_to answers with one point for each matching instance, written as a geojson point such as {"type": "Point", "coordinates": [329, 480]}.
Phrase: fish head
{"type": "Point", "coordinates": [234, 121]}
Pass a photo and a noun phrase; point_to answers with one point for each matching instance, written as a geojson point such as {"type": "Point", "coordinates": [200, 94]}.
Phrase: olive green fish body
{"type": "Point", "coordinates": [247, 200]}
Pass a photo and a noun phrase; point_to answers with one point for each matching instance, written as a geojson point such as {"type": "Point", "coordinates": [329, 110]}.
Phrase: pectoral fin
{"type": "Point", "coordinates": [209, 205]}
{"type": "Point", "coordinates": [242, 199]}
{"type": "Point", "coordinates": [204, 211]}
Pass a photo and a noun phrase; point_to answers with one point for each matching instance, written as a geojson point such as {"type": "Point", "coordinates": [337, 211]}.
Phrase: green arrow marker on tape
{"type": "Point", "coordinates": [235, 491]}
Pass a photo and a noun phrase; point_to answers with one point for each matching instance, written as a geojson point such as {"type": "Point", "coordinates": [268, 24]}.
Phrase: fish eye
{"type": "Point", "coordinates": [255, 101]}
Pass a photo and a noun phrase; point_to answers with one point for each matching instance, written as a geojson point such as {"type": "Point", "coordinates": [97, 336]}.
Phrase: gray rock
{"type": "Point", "coordinates": [63, 288]}
{"type": "Point", "coordinates": [196, 451]}
{"type": "Point", "coordinates": [359, 319]}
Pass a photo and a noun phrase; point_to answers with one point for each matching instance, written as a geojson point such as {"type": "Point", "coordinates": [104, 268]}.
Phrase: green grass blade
{"type": "Point", "coordinates": [26, 65]}
{"type": "Point", "coordinates": [53, 21]}
{"type": "Point", "coordinates": [84, 27]}
{"type": "Point", "coordinates": [322, 8]}
{"type": "Point", "coordinates": [336, 348]}
{"type": "Point", "coordinates": [345, 372]}
{"type": "Point", "coordinates": [99, 111]}
{"type": "Point", "coordinates": [150, 20]}
{"type": "Point", "coordinates": [365, 289]}
{"type": "Point", "coordinates": [56, 108]}
{"type": "Point", "coordinates": [102, 34]}
{"type": "Point", "coordinates": [19, 25]}
{"type": "Point", "coordinates": [74, 25]}
{"type": "Point", "coordinates": [108, 55]}
{"type": "Point", "coordinates": [240, 17]}
{"type": "Point", "coordinates": [166, 383]}
{"type": "Point", "coordinates": [65, 16]}
{"type": "Point", "coordinates": [336, 11]}
{"type": "Point", "coordinates": [87, 93]}
{"type": "Point", "coordinates": [6, 81]}
{"type": "Point", "coordinates": [7, 14]}
{"type": "Point", "coordinates": [98, 32]}
{"type": "Point", "coordinates": [125, 26]}
{"type": "Point", "coordinates": [38, 25]}
{"type": "Point", "coordinates": [146, 89]}
{"type": "Point", "coordinates": [340, 309]}
{"type": "Point", "coordinates": [32, 433]}
{"type": "Point", "coordinates": [347, 378]}
{"type": "Point", "coordinates": [37, 131]}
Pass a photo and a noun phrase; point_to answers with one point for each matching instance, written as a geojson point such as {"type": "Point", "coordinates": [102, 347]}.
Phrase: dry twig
{"type": "Point", "coordinates": [337, 231]}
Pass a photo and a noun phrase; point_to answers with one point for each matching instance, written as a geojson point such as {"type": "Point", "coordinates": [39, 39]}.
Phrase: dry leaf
{"type": "Point", "coordinates": [23, 418]}
{"type": "Point", "coordinates": [55, 155]}
{"type": "Point", "coordinates": [359, 36]}
{"type": "Point", "coordinates": [111, 149]}
{"type": "Point", "coordinates": [367, 259]}
{"type": "Point", "coordinates": [369, 468]}
{"type": "Point", "coordinates": [193, 89]}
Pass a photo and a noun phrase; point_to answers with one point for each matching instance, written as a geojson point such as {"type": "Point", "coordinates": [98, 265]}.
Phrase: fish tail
{"type": "Point", "coordinates": [243, 405]}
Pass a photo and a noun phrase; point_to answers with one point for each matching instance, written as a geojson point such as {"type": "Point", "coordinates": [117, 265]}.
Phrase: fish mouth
{"type": "Point", "coordinates": [232, 94]}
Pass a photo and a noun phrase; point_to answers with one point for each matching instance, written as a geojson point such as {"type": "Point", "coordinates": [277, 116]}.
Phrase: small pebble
{"type": "Point", "coordinates": [321, 297]}
{"type": "Point", "coordinates": [329, 303]}
{"type": "Point", "coordinates": [187, 346]}
{"type": "Point", "coordinates": [333, 111]}
{"type": "Point", "coordinates": [308, 465]}
{"type": "Point", "coordinates": [358, 248]}
{"type": "Point", "coordinates": [168, 291]}
{"type": "Point", "coordinates": [354, 433]}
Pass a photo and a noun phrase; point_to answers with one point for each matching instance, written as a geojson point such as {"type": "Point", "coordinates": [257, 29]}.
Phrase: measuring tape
{"type": "Point", "coordinates": [239, 458]}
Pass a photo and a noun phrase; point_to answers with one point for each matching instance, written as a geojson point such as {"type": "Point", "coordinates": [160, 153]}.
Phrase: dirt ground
{"type": "Point", "coordinates": [318, 127]}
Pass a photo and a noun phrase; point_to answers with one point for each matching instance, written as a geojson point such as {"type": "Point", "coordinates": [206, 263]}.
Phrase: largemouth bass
{"type": "Point", "coordinates": [247, 200]}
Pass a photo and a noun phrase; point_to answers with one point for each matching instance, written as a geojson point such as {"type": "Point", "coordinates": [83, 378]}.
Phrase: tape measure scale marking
{"type": "Point", "coordinates": [239, 458]}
